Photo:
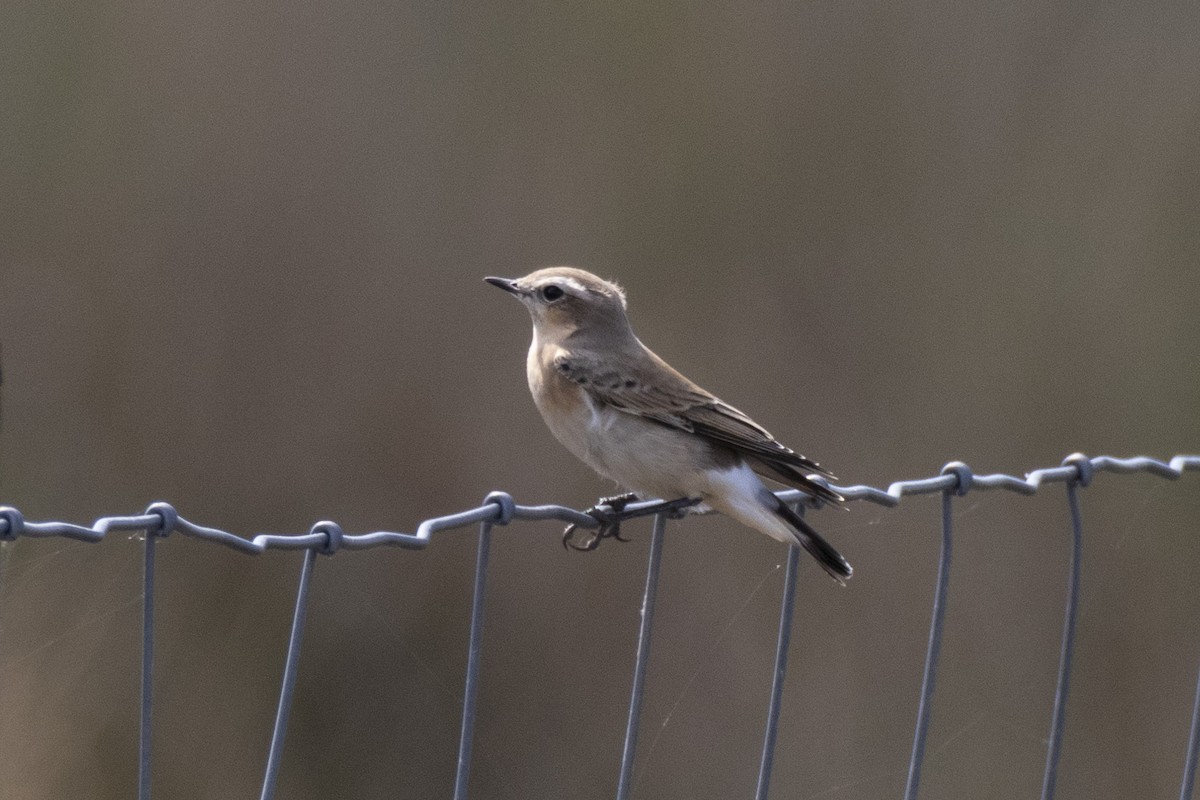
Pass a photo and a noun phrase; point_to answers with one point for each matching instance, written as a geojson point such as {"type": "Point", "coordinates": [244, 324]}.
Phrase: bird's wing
{"type": "Point", "coordinates": [666, 398]}
{"type": "Point", "coordinates": [656, 391]}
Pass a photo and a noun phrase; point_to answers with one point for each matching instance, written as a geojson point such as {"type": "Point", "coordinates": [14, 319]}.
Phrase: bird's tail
{"type": "Point", "coordinates": [830, 559]}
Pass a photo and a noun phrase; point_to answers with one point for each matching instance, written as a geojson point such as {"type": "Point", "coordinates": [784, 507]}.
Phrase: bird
{"type": "Point", "coordinates": [631, 417]}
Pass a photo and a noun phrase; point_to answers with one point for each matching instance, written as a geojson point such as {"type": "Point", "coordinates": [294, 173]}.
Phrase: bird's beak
{"type": "Point", "coordinates": [507, 284]}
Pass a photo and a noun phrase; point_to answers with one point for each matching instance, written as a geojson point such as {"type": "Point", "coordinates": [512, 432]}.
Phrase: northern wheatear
{"type": "Point", "coordinates": [634, 419]}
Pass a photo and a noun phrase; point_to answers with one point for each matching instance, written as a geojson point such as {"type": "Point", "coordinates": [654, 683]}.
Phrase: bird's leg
{"type": "Point", "coordinates": [617, 503]}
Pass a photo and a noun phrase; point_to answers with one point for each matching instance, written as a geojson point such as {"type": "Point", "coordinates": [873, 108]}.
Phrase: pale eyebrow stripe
{"type": "Point", "coordinates": [574, 284]}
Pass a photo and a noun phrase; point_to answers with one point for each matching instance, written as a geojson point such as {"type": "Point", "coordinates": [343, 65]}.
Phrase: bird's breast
{"type": "Point", "coordinates": [641, 455]}
{"type": "Point", "coordinates": [572, 416]}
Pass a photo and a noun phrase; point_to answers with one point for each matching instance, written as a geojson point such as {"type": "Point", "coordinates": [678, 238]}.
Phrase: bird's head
{"type": "Point", "coordinates": [565, 300]}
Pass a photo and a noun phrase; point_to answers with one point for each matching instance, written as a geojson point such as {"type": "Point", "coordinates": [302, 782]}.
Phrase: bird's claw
{"type": "Point", "coordinates": [605, 531]}
{"type": "Point", "coordinates": [605, 512]}
{"type": "Point", "coordinates": [609, 512]}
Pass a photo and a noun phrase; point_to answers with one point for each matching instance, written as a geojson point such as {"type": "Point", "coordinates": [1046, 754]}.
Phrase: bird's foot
{"type": "Point", "coordinates": [610, 511]}
{"type": "Point", "coordinates": [607, 512]}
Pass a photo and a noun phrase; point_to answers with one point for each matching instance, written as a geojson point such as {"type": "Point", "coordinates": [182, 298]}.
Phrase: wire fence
{"type": "Point", "coordinates": [498, 508]}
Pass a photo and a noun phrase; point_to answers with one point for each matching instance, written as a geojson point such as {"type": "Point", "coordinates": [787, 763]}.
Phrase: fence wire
{"type": "Point", "coordinates": [327, 538]}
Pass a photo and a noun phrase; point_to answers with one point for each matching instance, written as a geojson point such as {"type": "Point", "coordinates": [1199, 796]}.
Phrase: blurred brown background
{"type": "Point", "coordinates": [241, 255]}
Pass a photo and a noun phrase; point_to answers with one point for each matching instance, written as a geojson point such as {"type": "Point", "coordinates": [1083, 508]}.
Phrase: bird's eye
{"type": "Point", "coordinates": [551, 293]}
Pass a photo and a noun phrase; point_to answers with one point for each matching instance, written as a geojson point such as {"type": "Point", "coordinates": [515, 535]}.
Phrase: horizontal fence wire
{"type": "Point", "coordinates": [161, 519]}
{"type": "Point", "coordinates": [327, 538]}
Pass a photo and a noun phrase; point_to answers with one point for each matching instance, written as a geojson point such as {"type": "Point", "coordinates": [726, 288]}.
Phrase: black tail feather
{"type": "Point", "coordinates": [830, 559]}
{"type": "Point", "coordinates": [790, 476]}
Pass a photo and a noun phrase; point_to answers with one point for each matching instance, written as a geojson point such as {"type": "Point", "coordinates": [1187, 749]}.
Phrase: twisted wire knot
{"type": "Point", "coordinates": [168, 518]}
{"type": "Point", "coordinates": [963, 474]}
{"type": "Point", "coordinates": [333, 536]}
{"type": "Point", "coordinates": [16, 523]}
{"type": "Point", "coordinates": [507, 506]}
{"type": "Point", "coordinates": [1082, 465]}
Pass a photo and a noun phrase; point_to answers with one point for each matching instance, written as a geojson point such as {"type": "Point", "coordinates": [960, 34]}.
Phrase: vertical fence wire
{"type": "Point", "coordinates": [625, 783]}
{"type": "Point", "coordinates": [471, 689]}
{"type": "Point", "coordinates": [781, 658]}
{"type": "Point", "coordinates": [1054, 749]}
{"type": "Point", "coordinates": [931, 654]}
{"type": "Point", "coordinates": [275, 755]}
{"type": "Point", "coordinates": [144, 731]}
{"type": "Point", "coordinates": [1193, 749]}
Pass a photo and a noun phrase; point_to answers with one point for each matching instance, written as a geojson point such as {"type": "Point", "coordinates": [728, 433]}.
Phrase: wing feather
{"type": "Point", "coordinates": [672, 400]}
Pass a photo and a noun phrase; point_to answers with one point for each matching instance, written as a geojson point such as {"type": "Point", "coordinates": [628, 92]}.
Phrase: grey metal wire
{"type": "Point", "coordinates": [1063, 685]}
{"type": "Point", "coordinates": [474, 645]}
{"type": "Point", "coordinates": [147, 705]}
{"type": "Point", "coordinates": [1193, 749]}
{"type": "Point", "coordinates": [275, 753]}
{"type": "Point", "coordinates": [13, 525]}
{"type": "Point", "coordinates": [782, 645]}
{"type": "Point", "coordinates": [625, 782]}
{"type": "Point", "coordinates": [925, 706]}
{"type": "Point", "coordinates": [162, 519]}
